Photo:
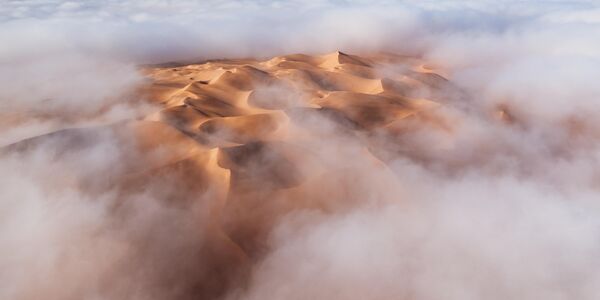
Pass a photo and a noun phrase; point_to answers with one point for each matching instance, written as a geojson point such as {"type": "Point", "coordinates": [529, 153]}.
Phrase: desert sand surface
{"type": "Point", "coordinates": [252, 140]}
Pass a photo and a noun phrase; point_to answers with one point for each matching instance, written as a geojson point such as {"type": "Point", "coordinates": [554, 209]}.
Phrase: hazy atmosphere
{"type": "Point", "coordinates": [235, 150]}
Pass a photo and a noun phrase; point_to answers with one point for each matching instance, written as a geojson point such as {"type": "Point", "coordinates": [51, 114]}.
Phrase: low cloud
{"type": "Point", "coordinates": [494, 209]}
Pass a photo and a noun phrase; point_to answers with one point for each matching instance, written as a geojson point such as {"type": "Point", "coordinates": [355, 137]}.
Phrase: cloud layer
{"type": "Point", "coordinates": [489, 212]}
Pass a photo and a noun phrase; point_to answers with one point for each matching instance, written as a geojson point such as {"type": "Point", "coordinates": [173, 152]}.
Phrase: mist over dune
{"type": "Point", "coordinates": [299, 149]}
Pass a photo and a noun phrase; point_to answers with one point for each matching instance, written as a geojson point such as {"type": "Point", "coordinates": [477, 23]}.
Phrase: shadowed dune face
{"type": "Point", "coordinates": [330, 176]}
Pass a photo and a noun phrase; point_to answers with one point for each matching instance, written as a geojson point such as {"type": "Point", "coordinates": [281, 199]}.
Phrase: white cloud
{"type": "Point", "coordinates": [518, 220]}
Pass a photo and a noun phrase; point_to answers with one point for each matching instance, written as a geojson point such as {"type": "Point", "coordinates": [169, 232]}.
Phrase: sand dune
{"type": "Point", "coordinates": [249, 134]}
{"type": "Point", "coordinates": [263, 117]}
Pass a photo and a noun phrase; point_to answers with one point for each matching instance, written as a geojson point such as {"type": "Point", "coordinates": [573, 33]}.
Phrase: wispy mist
{"type": "Point", "coordinates": [479, 207]}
